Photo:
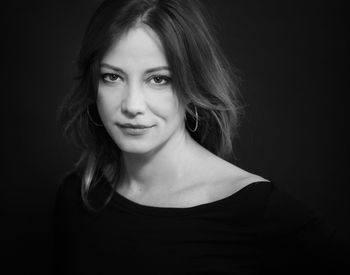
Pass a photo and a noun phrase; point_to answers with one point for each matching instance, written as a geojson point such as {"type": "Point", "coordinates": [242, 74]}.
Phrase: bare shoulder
{"type": "Point", "coordinates": [210, 180]}
{"type": "Point", "coordinates": [229, 179]}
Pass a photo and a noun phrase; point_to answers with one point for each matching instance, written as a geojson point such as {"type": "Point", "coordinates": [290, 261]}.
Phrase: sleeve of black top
{"type": "Point", "coordinates": [297, 239]}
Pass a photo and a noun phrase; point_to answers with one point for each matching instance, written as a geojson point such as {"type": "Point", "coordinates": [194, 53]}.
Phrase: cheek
{"type": "Point", "coordinates": [107, 103]}
{"type": "Point", "coordinates": [166, 106]}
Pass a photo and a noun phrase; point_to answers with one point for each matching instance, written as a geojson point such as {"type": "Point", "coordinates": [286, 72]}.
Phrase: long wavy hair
{"type": "Point", "coordinates": [201, 75]}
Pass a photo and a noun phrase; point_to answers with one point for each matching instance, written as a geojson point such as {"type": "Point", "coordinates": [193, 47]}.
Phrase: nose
{"type": "Point", "coordinates": [133, 102]}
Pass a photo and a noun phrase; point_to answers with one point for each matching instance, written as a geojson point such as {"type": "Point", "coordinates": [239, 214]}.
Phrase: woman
{"type": "Point", "coordinates": [154, 111]}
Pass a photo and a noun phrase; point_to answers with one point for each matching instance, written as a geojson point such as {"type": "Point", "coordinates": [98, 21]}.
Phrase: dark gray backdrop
{"type": "Point", "coordinates": [292, 58]}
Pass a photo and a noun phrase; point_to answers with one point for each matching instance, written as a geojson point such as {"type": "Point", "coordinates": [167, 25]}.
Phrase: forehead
{"type": "Point", "coordinates": [139, 48]}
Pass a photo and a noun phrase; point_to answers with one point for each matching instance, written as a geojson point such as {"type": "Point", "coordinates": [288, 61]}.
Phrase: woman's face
{"type": "Point", "coordinates": [136, 102]}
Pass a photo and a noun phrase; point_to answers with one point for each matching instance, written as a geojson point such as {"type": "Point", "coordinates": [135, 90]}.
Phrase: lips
{"type": "Point", "coordinates": [134, 126]}
{"type": "Point", "coordinates": [134, 130]}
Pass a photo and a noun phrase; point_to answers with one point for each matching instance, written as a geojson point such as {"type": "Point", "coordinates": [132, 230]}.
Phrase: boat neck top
{"type": "Point", "coordinates": [260, 229]}
{"type": "Point", "coordinates": [142, 209]}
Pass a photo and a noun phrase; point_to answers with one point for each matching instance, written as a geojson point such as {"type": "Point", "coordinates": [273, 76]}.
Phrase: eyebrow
{"type": "Point", "coordinates": [150, 70]}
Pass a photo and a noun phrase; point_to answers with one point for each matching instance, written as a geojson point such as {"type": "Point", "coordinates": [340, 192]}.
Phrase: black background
{"type": "Point", "coordinates": [291, 56]}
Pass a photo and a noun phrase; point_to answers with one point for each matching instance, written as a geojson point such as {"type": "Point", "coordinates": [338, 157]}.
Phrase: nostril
{"type": "Point", "coordinates": [133, 105]}
{"type": "Point", "coordinates": [129, 114]}
{"type": "Point", "coordinates": [132, 110]}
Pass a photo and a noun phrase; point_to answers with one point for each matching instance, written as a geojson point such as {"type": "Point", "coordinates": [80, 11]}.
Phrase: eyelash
{"type": "Point", "coordinates": [165, 78]}
{"type": "Point", "coordinates": [162, 78]}
{"type": "Point", "coordinates": [108, 75]}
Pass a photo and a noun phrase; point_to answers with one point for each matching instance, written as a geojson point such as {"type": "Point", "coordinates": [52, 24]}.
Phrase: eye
{"type": "Point", "coordinates": [160, 80]}
{"type": "Point", "coordinates": [108, 77]}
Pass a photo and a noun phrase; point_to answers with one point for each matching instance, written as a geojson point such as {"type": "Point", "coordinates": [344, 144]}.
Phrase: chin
{"type": "Point", "coordinates": [136, 147]}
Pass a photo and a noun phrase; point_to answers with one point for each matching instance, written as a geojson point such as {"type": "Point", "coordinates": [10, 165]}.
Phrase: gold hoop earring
{"type": "Point", "coordinates": [196, 118]}
{"type": "Point", "coordinates": [90, 118]}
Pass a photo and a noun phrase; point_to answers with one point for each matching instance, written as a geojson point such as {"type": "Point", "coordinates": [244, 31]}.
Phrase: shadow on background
{"type": "Point", "coordinates": [291, 57]}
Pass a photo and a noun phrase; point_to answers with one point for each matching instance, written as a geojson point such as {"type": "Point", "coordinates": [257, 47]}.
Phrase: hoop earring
{"type": "Point", "coordinates": [90, 118]}
{"type": "Point", "coordinates": [196, 115]}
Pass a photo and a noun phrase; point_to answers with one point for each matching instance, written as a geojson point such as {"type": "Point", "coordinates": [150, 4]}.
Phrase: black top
{"type": "Point", "coordinates": [258, 230]}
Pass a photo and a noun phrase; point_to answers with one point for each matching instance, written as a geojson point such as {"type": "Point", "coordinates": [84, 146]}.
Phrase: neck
{"type": "Point", "coordinates": [160, 170]}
